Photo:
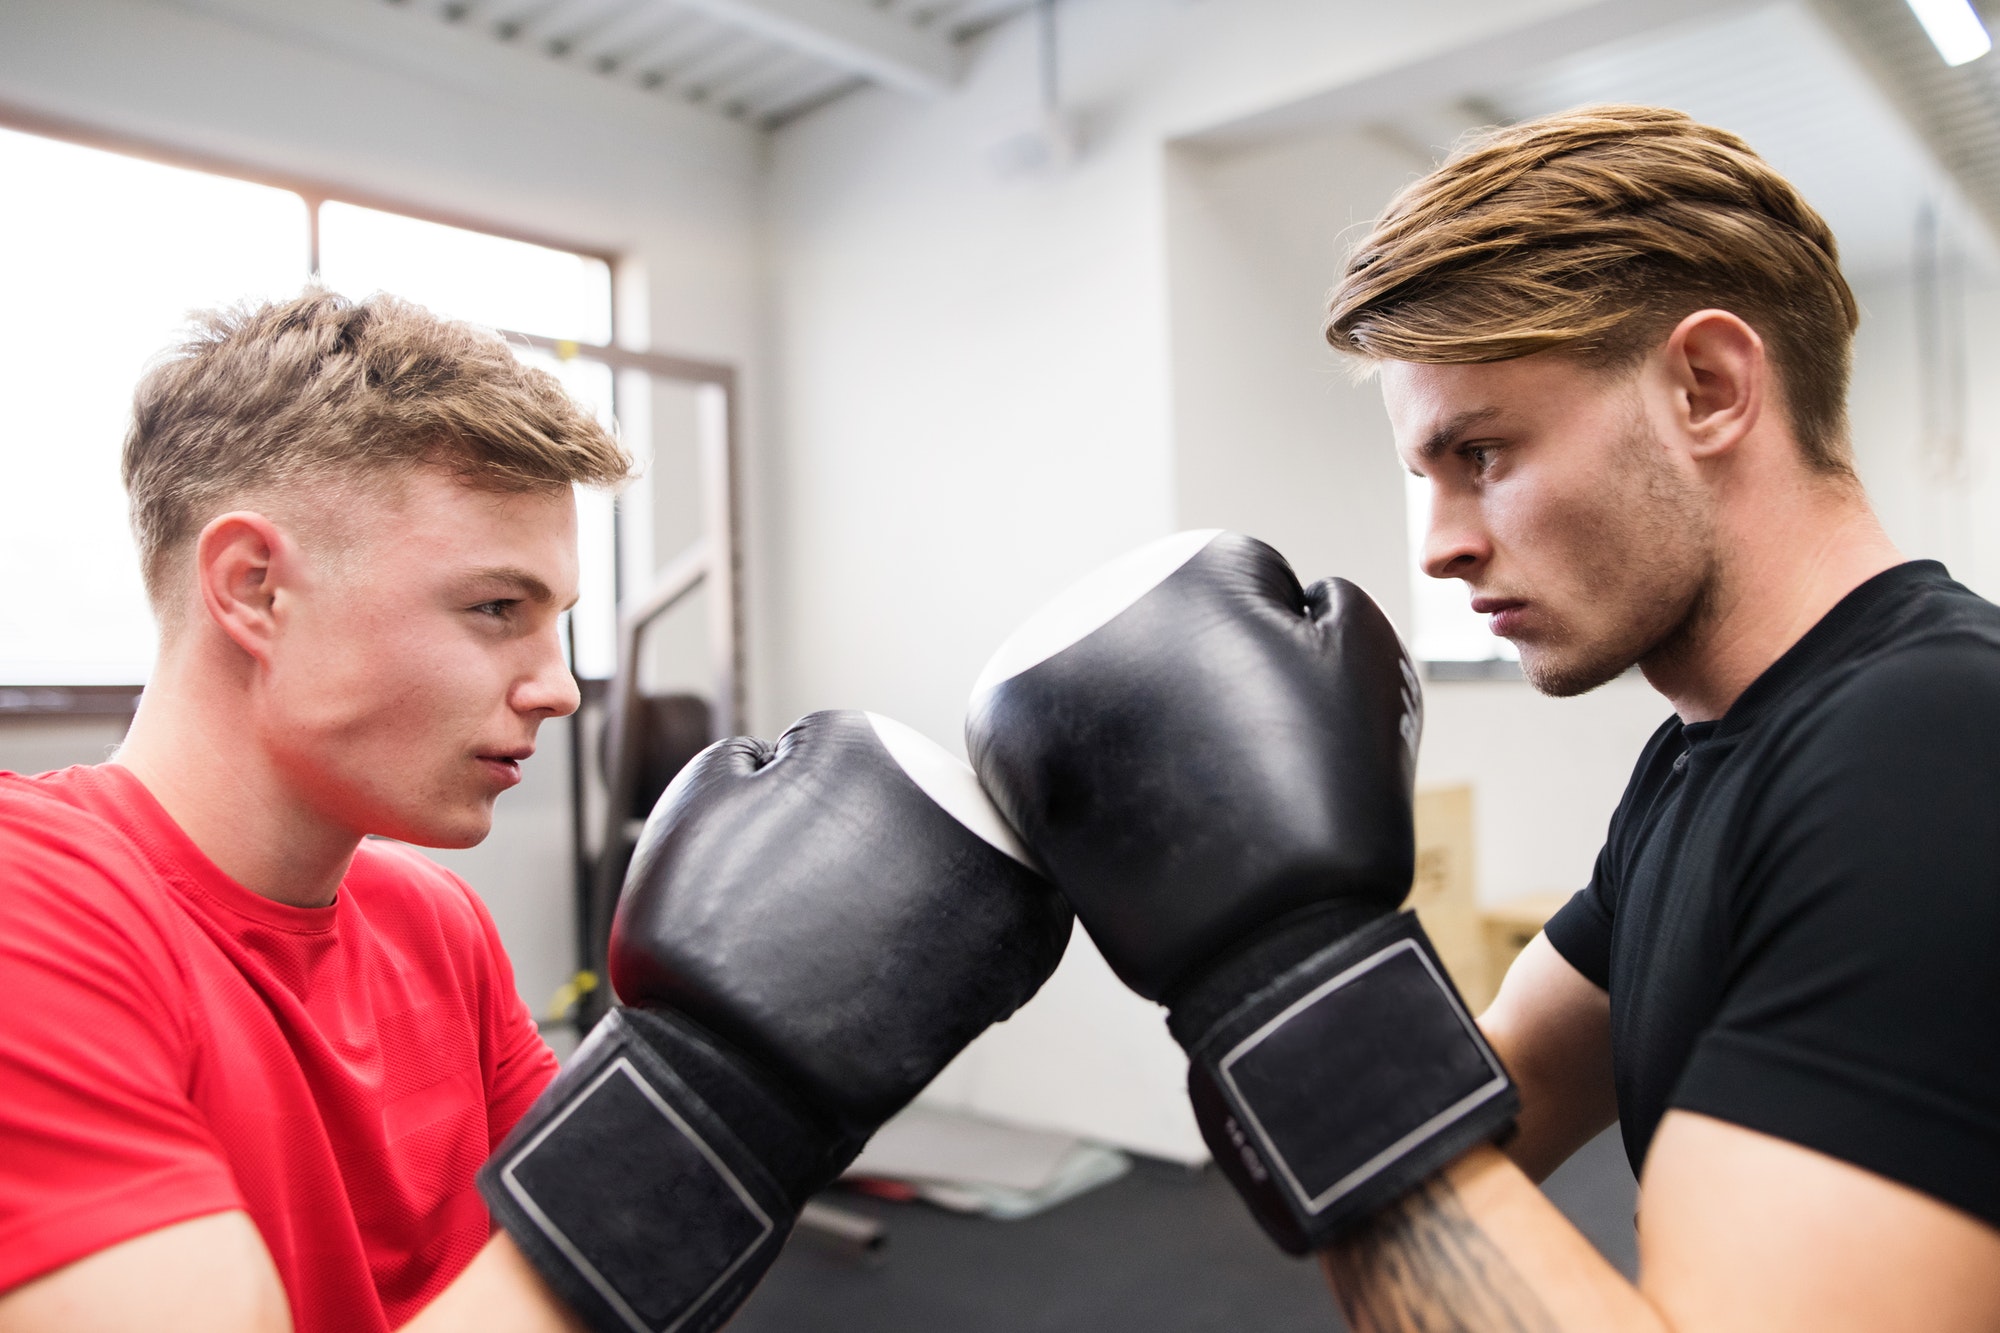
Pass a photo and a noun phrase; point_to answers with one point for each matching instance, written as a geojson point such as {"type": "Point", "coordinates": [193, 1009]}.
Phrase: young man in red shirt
{"type": "Point", "coordinates": [260, 1074]}
{"type": "Point", "coordinates": [251, 1060]}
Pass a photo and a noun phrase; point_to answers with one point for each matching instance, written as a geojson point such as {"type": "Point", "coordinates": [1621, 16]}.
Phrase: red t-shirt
{"type": "Point", "coordinates": [174, 1045]}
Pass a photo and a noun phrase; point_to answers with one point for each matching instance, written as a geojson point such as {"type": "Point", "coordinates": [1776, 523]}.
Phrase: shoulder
{"type": "Point", "coordinates": [85, 913]}
{"type": "Point", "coordinates": [1917, 700]}
{"type": "Point", "coordinates": [1915, 664]}
{"type": "Point", "coordinates": [1882, 787]}
{"type": "Point", "coordinates": [26, 801]}
{"type": "Point", "coordinates": [1939, 635]}
{"type": "Point", "coordinates": [59, 855]}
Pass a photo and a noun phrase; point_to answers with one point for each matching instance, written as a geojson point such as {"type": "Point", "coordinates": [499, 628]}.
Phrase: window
{"type": "Point", "coordinates": [1447, 628]}
{"type": "Point", "coordinates": [490, 280]}
{"type": "Point", "coordinates": [504, 284]}
{"type": "Point", "coordinates": [102, 256]}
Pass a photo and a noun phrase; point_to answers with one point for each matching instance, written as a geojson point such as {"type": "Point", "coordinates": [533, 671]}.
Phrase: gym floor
{"type": "Point", "coordinates": [1163, 1250]}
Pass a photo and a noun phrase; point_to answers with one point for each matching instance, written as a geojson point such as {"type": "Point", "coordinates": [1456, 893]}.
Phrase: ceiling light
{"type": "Point", "coordinates": [1954, 28]}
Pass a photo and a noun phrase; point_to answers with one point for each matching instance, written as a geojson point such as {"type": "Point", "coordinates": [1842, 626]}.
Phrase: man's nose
{"type": "Point", "coordinates": [549, 688]}
{"type": "Point", "coordinates": [1455, 544]}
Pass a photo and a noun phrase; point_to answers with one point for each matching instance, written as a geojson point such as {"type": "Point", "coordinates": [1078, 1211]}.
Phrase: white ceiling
{"type": "Point", "coordinates": [759, 61]}
{"type": "Point", "coordinates": [1777, 76]}
{"type": "Point", "coordinates": [1845, 97]}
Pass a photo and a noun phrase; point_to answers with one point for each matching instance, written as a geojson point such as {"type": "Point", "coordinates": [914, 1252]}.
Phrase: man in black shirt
{"type": "Point", "coordinates": [1615, 343]}
{"type": "Point", "coordinates": [1796, 911]}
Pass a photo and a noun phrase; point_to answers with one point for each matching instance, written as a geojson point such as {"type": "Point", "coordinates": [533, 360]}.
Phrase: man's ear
{"type": "Point", "coordinates": [239, 557]}
{"type": "Point", "coordinates": [1720, 377]}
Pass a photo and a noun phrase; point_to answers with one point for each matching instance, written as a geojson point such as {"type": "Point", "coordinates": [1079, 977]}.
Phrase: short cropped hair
{"type": "Point", "coordinates": [324, 390]}
{"type": "Point", "coordinates": [1593, 233]}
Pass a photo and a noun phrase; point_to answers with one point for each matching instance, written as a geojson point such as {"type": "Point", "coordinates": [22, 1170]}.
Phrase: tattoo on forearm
{"type": "Point", "coordinates": [1424, 1266]}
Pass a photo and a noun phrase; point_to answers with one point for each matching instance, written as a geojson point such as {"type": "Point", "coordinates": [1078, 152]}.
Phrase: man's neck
{"type": "Point", "coordinates": [195, 746]}
{"type": "Point", "coordinates": [1781, 567]}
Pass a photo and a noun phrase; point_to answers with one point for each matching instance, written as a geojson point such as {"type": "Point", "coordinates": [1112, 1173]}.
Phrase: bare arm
{"type": "Point", "coordinates": [499, 1292]}
{"type": "Point", "coordinates": [1740, 1231]}
{"type": "Point", "coordinates": [209, 1273]}
{"type": "Point", "coordinates": [213, 1275]}
{"type": "Point", "coordinates": [1552, 1028]}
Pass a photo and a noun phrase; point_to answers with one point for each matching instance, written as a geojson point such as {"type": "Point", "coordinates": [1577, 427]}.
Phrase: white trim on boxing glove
{"type": "Point", "coordinates": [950, 783]}
{"type": "Point", "coordinates": [1090, 603]}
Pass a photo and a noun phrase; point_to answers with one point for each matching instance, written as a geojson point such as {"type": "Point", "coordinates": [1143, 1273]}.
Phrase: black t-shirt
{"type": "Point", "coordinates": [1797, 909]}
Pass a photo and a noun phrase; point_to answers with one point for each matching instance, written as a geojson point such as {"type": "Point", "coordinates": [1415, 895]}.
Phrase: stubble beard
{"type": "Point", "coordinates": [1656, 523]}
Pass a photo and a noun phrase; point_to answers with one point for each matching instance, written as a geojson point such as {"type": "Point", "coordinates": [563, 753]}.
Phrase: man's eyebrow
{"type": "Point", "coordinates": [531, 587]}
{"type": "Point", "coordinates": [1445, 435]}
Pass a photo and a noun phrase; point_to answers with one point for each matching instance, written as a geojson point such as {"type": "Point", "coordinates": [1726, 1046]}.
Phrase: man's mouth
{"type": "Point", "coordinates": [1504, 615]}
{"type": "Point", "coordinates": [505, 765]}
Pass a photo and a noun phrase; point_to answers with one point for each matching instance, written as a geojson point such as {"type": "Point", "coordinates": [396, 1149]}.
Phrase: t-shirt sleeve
{"type": "Point", "coordinates": [1580, 930]}
{"type": "Point", "coordinates": [1861, 1001]}
{"type": "Point", "coordinates": [99, 1139]}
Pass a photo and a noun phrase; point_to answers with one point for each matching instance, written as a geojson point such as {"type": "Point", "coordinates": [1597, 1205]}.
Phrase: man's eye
{"type": "Point", "coordinates": [1479, 455]}
{"type": "Point", "coordinates": [498, 609]}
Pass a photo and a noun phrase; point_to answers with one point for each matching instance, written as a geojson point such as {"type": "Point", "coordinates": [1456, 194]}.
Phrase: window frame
{"type": "Point", "coordinates": [73, 700]}
{"type": "Point", "coordinates": [314, 190]}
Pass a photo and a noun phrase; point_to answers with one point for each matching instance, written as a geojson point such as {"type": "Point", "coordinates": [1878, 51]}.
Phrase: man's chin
{"type": "Point", "coordinates": [444, 834]}
{"type": "Point", "coordinates": [457, 840]}
{"type": "Point", "coordinates": [1563, 675]}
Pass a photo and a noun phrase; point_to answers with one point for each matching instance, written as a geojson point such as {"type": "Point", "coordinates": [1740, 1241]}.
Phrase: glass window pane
{"type": "Point", "coordinates": [594, 623]}
{"type": "Point", "coordinates": [101, 258]}
{"type": "Point", "coordinates": [467, 275]}
{"type": "Point", "coordinates": [1447, 628]}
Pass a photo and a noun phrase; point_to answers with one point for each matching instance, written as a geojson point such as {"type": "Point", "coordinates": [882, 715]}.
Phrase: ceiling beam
{"type": "Point", "coordinates": [850, 35]}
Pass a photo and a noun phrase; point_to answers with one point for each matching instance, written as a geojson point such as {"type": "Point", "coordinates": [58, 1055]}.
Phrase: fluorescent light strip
{"type": "Point", "coordinates": [1954, 29]}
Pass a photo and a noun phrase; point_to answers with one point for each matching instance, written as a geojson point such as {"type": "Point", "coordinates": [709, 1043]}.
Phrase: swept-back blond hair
{"type": "Point", "coordinates": [323, 390]}
{"type": "Point", "coordinates": [1594, 232]}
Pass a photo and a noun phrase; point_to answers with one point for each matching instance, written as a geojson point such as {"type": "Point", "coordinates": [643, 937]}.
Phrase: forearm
{"type": "Point", "coordinates": [1478, 1248]}
{"type": "Point", "coordinates": [499, 1292]}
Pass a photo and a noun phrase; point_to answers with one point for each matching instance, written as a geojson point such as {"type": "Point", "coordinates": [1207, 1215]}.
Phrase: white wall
{"type": "Point", "coordinates": [977, 381]}
{"type": "Point", "coordinates": [36, 744]}
{"type": "Point", "coordinates": [981, 401]}
{"type": "Point", "coordinates": [1932, 510]}
{"type": "Point", "coordinates": [391, 101]}
{"type": "Point", "coordinates": [1272, 434]}
{"type": "Point", "coordinates": [1545, 773]}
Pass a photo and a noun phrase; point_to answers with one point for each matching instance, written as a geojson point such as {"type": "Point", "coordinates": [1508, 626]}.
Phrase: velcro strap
{"type": "Point", "coordinates": [634, 1202]}
{"type": "Point", "coordinates": [1346, 1082]}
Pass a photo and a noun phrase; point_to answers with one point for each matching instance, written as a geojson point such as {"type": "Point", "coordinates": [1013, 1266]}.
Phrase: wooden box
{"type": "Point", "coordinates": [1445, 894]}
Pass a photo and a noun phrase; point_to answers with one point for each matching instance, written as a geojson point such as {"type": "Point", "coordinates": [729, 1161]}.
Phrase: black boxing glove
{"type": "Point", "coordinates": [1216, 767]}
{"type": "Point", "coordinates": [809, 932]}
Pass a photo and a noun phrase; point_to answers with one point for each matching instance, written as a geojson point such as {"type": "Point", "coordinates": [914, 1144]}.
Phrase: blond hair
{"type": "Point", "coordinates": [1592, 233]}
{"type": "Point", "coordinates": [321, 389]}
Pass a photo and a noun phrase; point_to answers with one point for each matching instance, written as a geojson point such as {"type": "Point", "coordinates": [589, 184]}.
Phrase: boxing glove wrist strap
{"type": "Point", "coordinates": [642, 1184]}
{"type": "Point", "coordinates": [1344, 1083]}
